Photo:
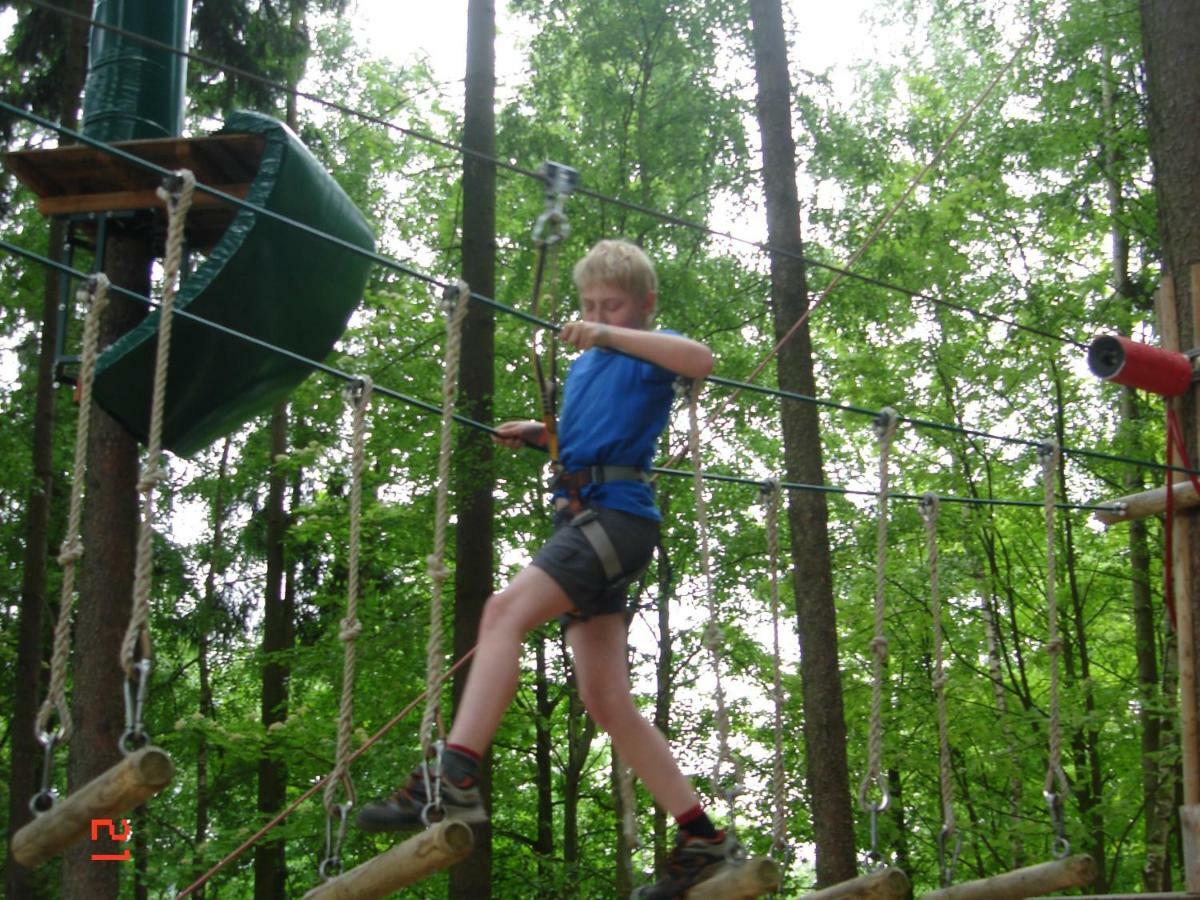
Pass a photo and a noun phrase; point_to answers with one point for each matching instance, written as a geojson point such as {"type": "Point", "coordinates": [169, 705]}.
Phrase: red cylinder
{"type": "Point", "coordinates": [1123, 361]}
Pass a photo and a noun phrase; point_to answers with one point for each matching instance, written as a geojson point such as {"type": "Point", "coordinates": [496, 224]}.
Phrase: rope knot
{"type": "Point", "coordinates": [152, 474]}
{"type": "Point", "coordinates": [879, 646]}
{"type": "Point", "coordinates": [885, 424]}
{"type": "Point", "coordinates": [940, 681]}
{"type": "Point", "coordinates": [350, 629]}
{"type": "Point", "coordinates": [1054, 646]}
{"type": "Point", "coordinates": [436, 568]}
{"type": "Point", "coordinates": [72, 550]}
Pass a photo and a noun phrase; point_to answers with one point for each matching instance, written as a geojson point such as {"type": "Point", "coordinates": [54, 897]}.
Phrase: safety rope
{"type": "Point", "coordinates": [176, 193]}
{"type": "Point", "coordinates": [359, 394]}
{"type": "Point", "coordinates": [1055, 788]}
{"type": "Point", "coordinates": [770, 496]}
{"type": "Point", "coordinates": [95, 293]}
{"type": "Point", "coordinates": [948, 836]}
{"type": "Point", "coordinates": [713, 634]}
{"type": "Point", "coordinates": [885, 429]}
{"type": "Point", "coordinates": [455, 303]}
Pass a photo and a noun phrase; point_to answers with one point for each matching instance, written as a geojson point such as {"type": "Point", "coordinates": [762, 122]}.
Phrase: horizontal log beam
{"type": "Point", "coordinates": [437, 848]}
{"type": "Point", "coordinates": [1044, 878]}
{"type": "Point", "coordinates": [753, 878]}
{"type": "Point", "coordinates": [885, 884]}
{"type": "Point", "coordinates": [125, 786]}
{"type": "Point", "coordinates": [1148, 503]}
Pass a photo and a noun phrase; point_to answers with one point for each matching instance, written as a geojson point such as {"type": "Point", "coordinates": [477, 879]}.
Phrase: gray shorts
{"type": "Point", "coordinates": [569, 559]}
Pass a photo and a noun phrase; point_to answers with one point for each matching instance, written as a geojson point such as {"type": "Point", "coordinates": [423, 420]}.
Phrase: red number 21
{"type": "Point", "coordinates": [114, 835]}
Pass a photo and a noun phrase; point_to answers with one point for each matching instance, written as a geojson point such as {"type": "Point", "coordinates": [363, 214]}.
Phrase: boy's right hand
{"type": "Point", "coordinates": [516, 435]}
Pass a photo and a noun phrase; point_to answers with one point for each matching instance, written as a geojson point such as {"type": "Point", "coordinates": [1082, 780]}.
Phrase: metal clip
{"type": "Point", "coordinates": [134, 705]}
{"type": "Point", "coordinates": [551, 226]}
{"type": "Point", "coordinates": [331, 865]}
{"type": "Point", "coordinates": [44, 800]}
{"type": "Point", "coordinates": [946, 869]}
{"type": "Point", "coordinates": [1062, 845]}
{"type": "Point", "coordinates": [433, 785]}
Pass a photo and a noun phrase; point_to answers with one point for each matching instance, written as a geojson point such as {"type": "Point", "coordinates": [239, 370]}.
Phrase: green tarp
{"type": "Point", "coordinates": [263, 278]}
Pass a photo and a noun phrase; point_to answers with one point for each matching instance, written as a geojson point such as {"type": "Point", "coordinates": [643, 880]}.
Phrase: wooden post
{"type": "Point", "coordinates": [125, 786]}
{"type": "Point", "coordinates": [1153, 502]}
{"type": "Point", "coordinates": [1189, 736]}
{"type": "Point", "coordinates": [751, 879]}
{"type": "Point", "coordinates": [1044, 878]}
{"type": "Point", "coordinates": [437, 848]}
{"type": "Point", "coordinates": [886, 884]}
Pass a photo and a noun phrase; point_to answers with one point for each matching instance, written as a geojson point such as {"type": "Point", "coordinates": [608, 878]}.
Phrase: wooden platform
{"type": "Point", "coordinates": [82, 179]}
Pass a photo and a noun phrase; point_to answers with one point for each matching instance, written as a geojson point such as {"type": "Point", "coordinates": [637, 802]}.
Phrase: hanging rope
{"type": "Point", "coordinates": [885, 429]}
{"type": "Point", "coordinates": [359, 394]}
{"type": "Point", "coordinates": [713, 635]}
{"type": "Point", "coordinates": [948, 836]}
{"type": "Point", "coordinates": [770, 495]}
{"type": "Point", "coordinates": [95, 293]}
{"type": "Point", "coordinates": [1055, 787]}
{"type": "Point", "coordinates": [454, 303]}
{"type": "Point", "coordinates": [176, 193]}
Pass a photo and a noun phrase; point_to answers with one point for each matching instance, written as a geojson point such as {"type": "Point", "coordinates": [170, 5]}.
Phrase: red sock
{"type": "Point", "coordinates": [465, 751]}
{"type": "Point", "coordinates": [695, 822]}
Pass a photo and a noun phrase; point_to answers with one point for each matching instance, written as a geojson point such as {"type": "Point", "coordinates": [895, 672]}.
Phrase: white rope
{"type": "Point", "coordinates": [136, 644]}
{"type": "Point", "coordinates": [1055, 786]}
{"type": "Point", "coordinates": [456, 302]}
{"type": "Point", "coordinates": [771, 491]}
{"type": "Point", "coordinates": [95, 292]}
{"type": "Point", "coordinates": [713, 635]}
{"type": "Point", "coordinates": [885, 428]}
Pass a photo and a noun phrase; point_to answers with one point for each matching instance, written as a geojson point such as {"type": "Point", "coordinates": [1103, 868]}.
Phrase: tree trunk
{"type": "Point", "coordinates": [270, 868]}
{"type": "Point", "coordinates": [106, 579]}
{"type": "Point", "coordinates": [1171, 40]}
{"type": "Point", "coordinates": [581, 730]}
{"type": "Point", "coordinates": [474, 570]}
{"type": "Point", "coordinates": [25, 752]}
{"type": "Point", "coordinates": [824, 718]}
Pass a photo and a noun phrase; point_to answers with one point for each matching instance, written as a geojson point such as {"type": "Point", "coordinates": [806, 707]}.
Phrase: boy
{"type": "Point", "coordinates": [615, 406]}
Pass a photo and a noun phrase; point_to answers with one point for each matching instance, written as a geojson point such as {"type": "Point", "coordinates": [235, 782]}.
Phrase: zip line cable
{"type": "Point", "coordinates": [395, 265]}
{"type": "Point", "coordinates": [426, 406]}
{"type": "Point", "coordinates": [666, 218]}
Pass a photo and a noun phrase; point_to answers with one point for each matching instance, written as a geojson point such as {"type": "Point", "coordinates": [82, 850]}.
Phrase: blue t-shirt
{"type": "Point", "coordinates": [614, 408]}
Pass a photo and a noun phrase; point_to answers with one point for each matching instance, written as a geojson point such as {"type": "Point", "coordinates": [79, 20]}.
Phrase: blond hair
{"type": "Point", "coordinates": [619, 263]}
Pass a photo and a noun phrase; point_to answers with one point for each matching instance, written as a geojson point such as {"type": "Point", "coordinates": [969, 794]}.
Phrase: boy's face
{"type": "Point", "coordinates": [608, 304]}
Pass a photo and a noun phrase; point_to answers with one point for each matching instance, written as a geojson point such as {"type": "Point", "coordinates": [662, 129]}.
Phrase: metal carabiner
{"type": "Point", "coordinates": [332, 863]}
{"type": "Point", "coordinates": [134, 706]}
{"type": "Point", "coordinates": [433, 785]}
{"type": "Point", "coordinates": [43, 801]}
{"type": "Point", "coordinates": [1062, 845]}
{"type": "Point", "coordinates": [946, 870]}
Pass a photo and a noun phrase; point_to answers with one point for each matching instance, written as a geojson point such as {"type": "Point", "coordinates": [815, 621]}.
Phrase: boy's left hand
{"type": "Point", "coordinates": [585, 335]}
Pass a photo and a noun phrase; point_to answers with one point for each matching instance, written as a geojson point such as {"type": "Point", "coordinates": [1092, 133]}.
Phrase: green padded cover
{"type": "Point", "coordinates": [263, 278]}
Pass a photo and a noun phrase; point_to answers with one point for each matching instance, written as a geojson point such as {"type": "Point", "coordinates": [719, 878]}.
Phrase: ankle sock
{"type": "Point", "coordinates": [696, 823]}
{"type": "Point", "coordinates": [460, 764]}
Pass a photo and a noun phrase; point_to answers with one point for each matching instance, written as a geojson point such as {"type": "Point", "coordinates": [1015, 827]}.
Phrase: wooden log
{"type": "Point", "coordinates": [437, 848]}
{"type": "Point", "coordinates": [1150, 896]}
{"type": "Point", "coordinates": [886, 884]}
{"type": "Point", "coordinates": [1044, 878]}
{"type": "Point", "coordinates": [1149, 503]}
{"type": "Point", "coordinates": [125, 786]}
{"type": "Point", "coordinates": [1189, 824]}
{"type": "Point", "coordinates": [753, 878]}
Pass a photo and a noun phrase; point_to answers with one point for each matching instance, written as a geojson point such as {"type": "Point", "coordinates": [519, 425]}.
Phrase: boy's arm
{"type": "Point", "coordinates": [673, 352]}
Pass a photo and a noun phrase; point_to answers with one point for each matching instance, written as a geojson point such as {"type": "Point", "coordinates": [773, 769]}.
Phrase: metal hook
{"type": "Point", "coordinates": [134, 706]}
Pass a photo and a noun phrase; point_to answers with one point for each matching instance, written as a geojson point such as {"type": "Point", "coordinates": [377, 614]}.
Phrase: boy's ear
{"type": "Point", "coordinates": [648, 304]}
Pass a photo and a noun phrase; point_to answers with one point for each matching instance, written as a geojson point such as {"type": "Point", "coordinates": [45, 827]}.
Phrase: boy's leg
{"type": "Point", "coordinates": [602, 673]}
{"type": "Point", "coordinates": [603, 677]}
{"type": "Point", "coordinates": [530, 599]}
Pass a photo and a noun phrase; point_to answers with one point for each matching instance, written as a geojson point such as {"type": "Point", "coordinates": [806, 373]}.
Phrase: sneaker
{"type": "Point", "coordinates": [693, 860]}
{"type": "Point", "coordinates": [404, 809]}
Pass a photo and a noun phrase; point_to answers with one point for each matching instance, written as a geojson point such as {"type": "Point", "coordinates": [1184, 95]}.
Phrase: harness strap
{"type": "Point", "coordinates": [589, 524]}
{"type": "Point", "coordinates": [576, 479]}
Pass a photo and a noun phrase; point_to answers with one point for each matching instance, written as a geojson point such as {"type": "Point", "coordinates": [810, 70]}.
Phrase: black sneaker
{"type": "Point", "coordinates": [693, 860]}
{"type": "Point", "coordinates": [406, 808]}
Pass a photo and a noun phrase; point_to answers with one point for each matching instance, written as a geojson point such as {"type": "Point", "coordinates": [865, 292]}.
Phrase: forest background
{"type": "Point", "coordinates": [1036, 229]}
